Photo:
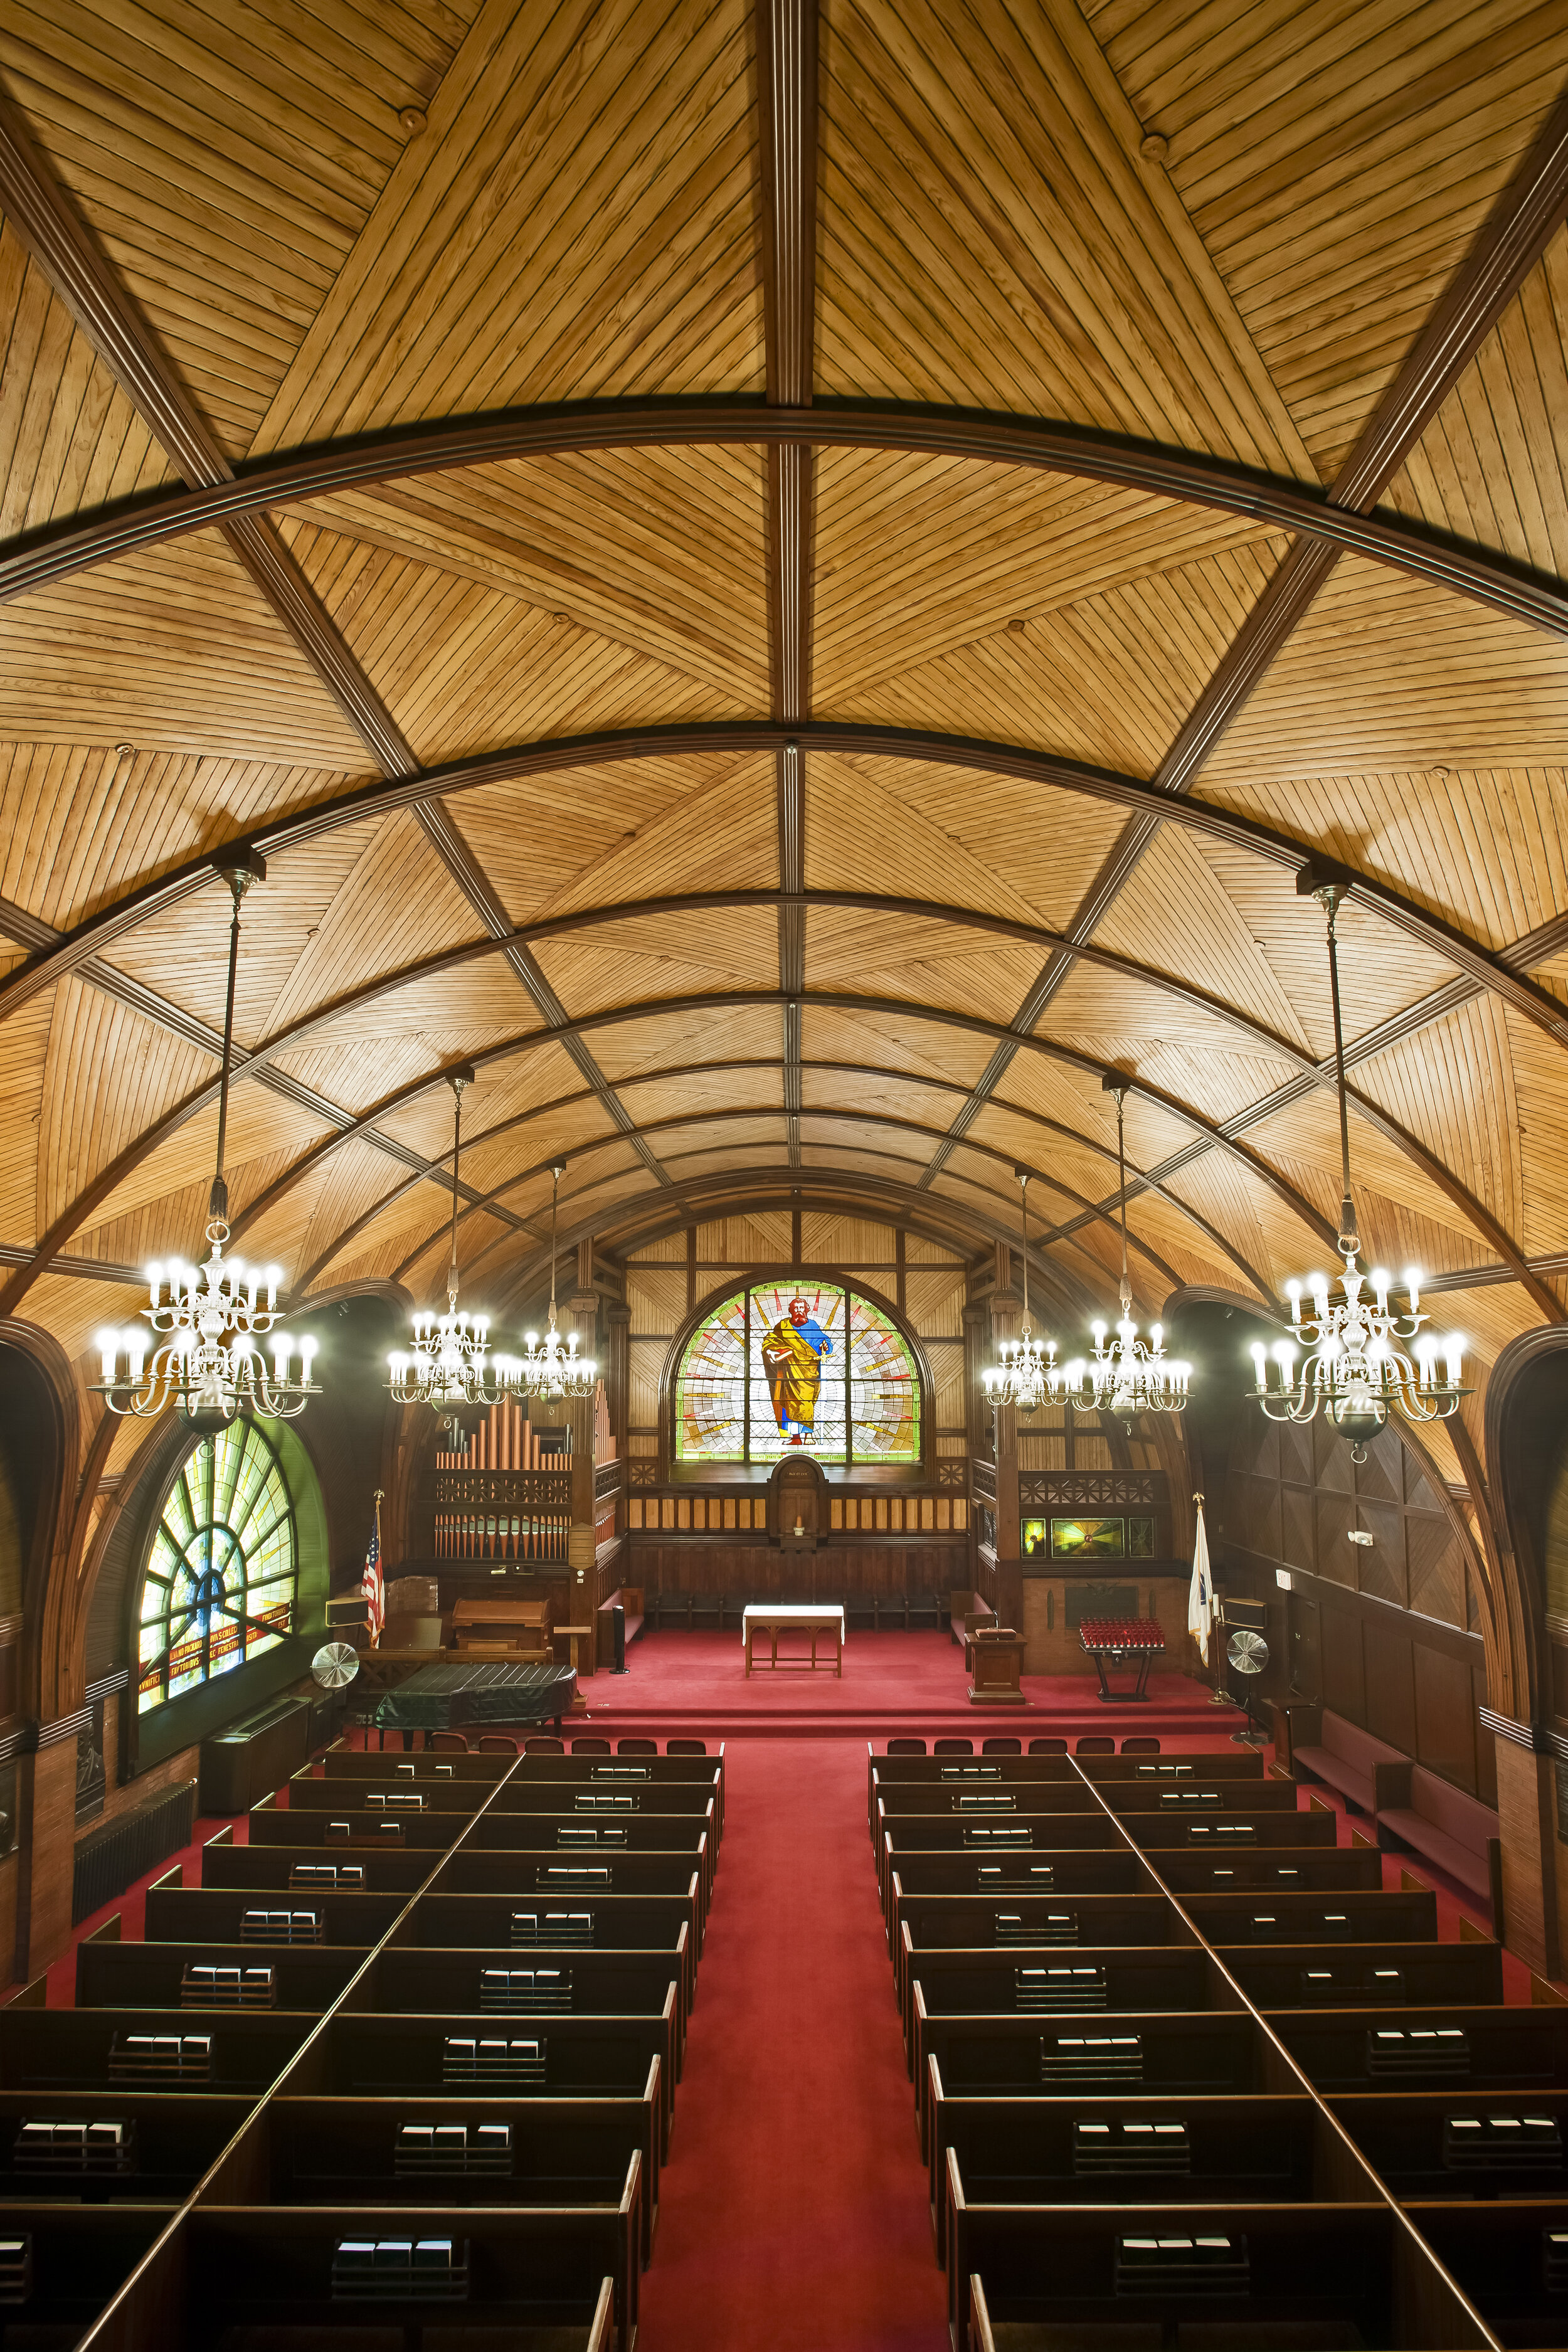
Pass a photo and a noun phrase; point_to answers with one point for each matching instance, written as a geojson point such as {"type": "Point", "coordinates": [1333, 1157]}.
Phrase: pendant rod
{"type": "Point", "coordinates": [239, 868]}
{"type": "Point", "coordinates": [1348, 1241]}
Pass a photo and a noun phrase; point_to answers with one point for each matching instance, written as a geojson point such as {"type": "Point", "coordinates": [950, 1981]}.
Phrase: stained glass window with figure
{"type": "Point", "coordinates": [797, 1363]}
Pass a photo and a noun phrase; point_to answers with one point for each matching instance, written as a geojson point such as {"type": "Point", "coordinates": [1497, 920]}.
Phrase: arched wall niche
{"type": "Point", "coordinates": [1526, 1478]}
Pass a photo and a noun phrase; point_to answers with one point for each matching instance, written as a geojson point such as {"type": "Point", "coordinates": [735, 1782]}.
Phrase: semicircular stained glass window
{"type": "Point", "coordinates": [223, 1570]}
{"type": "Point", "coordinates": [797, 1363]}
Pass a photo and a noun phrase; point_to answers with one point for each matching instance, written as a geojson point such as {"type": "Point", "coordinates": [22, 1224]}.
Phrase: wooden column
{"type": "Point", "coordinates": [1009, 1596]}
{"type": "Point", "coordinates": [46, 1792]}
{"type": "Point", "coordinates": [1527, 1803]}
{"type": "Point", "coordinates": [583, 1586]}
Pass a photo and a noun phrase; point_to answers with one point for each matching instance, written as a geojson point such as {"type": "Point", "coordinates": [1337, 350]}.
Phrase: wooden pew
{"type": "Point", "coordinates": [560, 2151]}
{"type": "Point", "coordinates": [662, 1925]}
{"type": "Point", "coordinates": [1364, 1916]}
{"type": "Point", "coordinates": [77, 2258]}
{"type": "Point", "coordinates": [1083, 1982]}
{"type": "Point", "coordinates": [1339, 1867]}
{"type": "Point", "coordinates": [92, 2049]}
{"type": "Point", "coordinates": [1207, 1793]}
{"type": "Point", "coordinates": [1166, 2052]}
{"type": "Point", "coordinates": [1157, 1833]}
{"type": "Point", "coordinates": [1503, 2048]}
{"type": "Point", "coordinates": [307, 1976]}
{"type": "Point", "coordinates": [361, 2056]}
{"type": "Point", "coordinates": [217, 1915]}
{"type": "Point", "coordinates": [1508, 2257]}
{"type": "Point", "coordinates": [566, 1982]}
{"type": "Point", "coordinates": [551, 1880]}
{"type": "Point", "coordinates": [1045, 2151]}
{"type": "Point", "coordinates": [1340, 1975]}
{"type": "Point", "coordinates": [165, 2145]}
{"type": "Point", "coordinates": [530, 2267]}
{"type": "Point", "coordinates": [949, 1923]}
{"type": "Point", "coordinates": [1314, 2278]}
{"type": "Point", "coordinates": [1503, 2146]}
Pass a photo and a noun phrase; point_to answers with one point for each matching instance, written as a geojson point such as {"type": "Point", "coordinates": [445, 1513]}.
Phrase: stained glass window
{"type": "Point", "coordinates": [797, 1363]}
{"type": "Point", "coordinates": [223, 1570]}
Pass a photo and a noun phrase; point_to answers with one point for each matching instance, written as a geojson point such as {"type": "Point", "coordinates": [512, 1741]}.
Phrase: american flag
{"type": "Point", "coordinates": [371, 1583]}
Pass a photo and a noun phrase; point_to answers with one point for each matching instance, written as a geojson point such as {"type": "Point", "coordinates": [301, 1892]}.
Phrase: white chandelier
{"type": "Point", "coordinates": [445, 1367]}
{"type": "Point", "coordinates": [1363, 1360]}
{"type": "Point", "coordinates": [1127, 1375]}
{"type": "Point", "coordinates": [1027, 1374]}
{"type": "Point", "coordinates": [203, 1355]}
{"type": "Point", "coordinates": [555, 1373]}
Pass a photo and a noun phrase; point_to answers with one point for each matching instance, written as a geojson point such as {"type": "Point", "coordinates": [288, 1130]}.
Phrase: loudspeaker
{"type": "Point", "coordinates": [618, 1633]}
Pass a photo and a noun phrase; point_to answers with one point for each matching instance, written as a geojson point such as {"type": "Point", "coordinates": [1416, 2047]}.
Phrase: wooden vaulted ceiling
{"type": "Point", "coordinates": [794, 583]}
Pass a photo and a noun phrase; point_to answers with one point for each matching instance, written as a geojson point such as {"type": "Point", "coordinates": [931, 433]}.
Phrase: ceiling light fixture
{"type": "Point", "coordinates": [1358, 1365]}
{"type": "Point", "coordinates": [445, 1367]}
{"type": "Point", "coordinates": [208, 1366]}
{"type": "Point", "coordinates": [1126, 1374]}
{"type": "Point", "coordinates": [549, 1370]}
{"type": "Point", "coordinates": [1027, 1373]}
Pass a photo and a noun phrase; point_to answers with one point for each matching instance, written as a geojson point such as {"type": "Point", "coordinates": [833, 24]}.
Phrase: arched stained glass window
{"type": "Point", "coordinates": [797, 1363]}
{"type": "Point", "coordinates": [222, 1573]}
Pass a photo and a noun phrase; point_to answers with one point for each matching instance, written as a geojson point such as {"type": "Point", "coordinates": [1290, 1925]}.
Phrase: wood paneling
{"type": "Point", "coordinates": [1296, 137]}
{"type": "Point", "coordinates": [576, 219]}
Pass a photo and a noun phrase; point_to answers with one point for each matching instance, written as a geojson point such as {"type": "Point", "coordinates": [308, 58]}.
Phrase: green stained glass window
{"type": "Point", "coordinates": [221, 1576]}
{"type": "Point", "coordinates": [797, 1364]}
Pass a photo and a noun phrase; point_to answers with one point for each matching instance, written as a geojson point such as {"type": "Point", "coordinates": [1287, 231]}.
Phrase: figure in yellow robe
{"type": "Point", "coordinates": [792, 1355]}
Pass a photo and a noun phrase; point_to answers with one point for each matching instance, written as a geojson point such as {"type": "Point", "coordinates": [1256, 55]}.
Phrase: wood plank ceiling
{"type": "Point", "coordinates": [794, 582]}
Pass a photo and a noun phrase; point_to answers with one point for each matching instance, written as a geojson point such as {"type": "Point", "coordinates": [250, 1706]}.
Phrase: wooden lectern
{"type": "Point", "coordinates": [998, 1660]}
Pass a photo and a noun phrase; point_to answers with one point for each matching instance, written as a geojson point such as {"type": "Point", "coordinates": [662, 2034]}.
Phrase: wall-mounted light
{"type": "Point", "coordinates": [1360, 1535]}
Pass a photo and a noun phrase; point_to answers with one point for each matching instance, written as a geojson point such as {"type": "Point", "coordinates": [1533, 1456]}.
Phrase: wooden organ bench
{"type": "Point", "coordinates": [1148, 2125]}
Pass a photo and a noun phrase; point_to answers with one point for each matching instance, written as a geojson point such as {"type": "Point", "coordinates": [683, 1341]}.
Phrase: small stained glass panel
{"type": "Point", "coordinates": [710, 1389]}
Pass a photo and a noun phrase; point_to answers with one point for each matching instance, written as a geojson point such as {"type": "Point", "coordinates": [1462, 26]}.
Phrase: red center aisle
{"type": "Point", "coordinates": [794, 2209]}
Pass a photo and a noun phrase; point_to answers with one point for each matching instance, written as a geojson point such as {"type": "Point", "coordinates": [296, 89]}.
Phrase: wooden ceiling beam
{"type": "Point", "coordinates": [52, 954]}
{"type": "Point", "coordinates": [41, 557]}
{"type": "Point", "coordinates": [1516, 233]}
{"type": "Point", "coordinates": [785, 34]}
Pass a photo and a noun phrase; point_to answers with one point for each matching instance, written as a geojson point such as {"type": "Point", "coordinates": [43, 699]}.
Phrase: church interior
{"type": "Point", "coordinates": [784, 1021]}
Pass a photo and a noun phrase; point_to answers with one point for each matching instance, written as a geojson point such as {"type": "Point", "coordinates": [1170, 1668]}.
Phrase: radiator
{"type": "Point", "coordinates": [115, 1857]}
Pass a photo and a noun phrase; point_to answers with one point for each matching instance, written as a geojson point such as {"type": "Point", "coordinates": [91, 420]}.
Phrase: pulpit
{"type": "Point", "coordinates": [998, 1661]}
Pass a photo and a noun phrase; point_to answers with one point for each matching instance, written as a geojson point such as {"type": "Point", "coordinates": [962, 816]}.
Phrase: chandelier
{"type": "Point", "coordinates": [1027, 1373]}
{"type": "Point", "coordinates": [446, 1367]}
{"type": "Point", "coordinates": [553, 1372]}
{"type": "Point", "coordinates": [204, 1355]}
{"type": "Point", "coordinates": [1361, 1358]}
{"type": "Point", "coordinates": [1126, 1374]}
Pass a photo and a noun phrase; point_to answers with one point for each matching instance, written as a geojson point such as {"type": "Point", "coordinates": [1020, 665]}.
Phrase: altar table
{"type": "Point", "coordinates": [773, 1621]}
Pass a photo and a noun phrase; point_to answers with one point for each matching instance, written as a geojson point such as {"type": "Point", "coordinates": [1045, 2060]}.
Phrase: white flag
{"type": "Point", "coordinates": [1200, 1593]}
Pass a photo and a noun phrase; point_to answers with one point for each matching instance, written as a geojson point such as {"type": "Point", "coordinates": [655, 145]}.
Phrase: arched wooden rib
{"type": "Point", "coordinates": [1006, 1160]}
{"type": "Point", "coordinates": [619, 1016]}
{"type": "Point", "coordinates": [90, 938]}
{"type": "Point", "coordinates": [1032, 445]}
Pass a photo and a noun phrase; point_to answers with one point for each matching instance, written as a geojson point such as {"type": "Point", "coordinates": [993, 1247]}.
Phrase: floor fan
{"type": "Point", "coordinates": [1248, 1652]}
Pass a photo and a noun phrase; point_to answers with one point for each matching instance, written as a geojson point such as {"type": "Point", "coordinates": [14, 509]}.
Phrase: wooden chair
{"type": "Point", "coordinates": [448, 1743]}
{"type": "Point", "coordinates": [591, 1747]}
{"type": "Point", "coordinates": [953, 1747]}
{"type": "Point", "coordinates": [498, 1743]}
{"type": "Point", "coordinates": [685, 1747]}
{"type": "Point", "coordinates": [1141, 1747]}
{"type": "Point", "coordinates": [1048, 1747]}
{"type": "Point", "coordinates": [906, 1747]}
{"type": "Point", "coordinates": [636, 1748]}
{"type": "Point", "coordinates": [1093, 1744]}
{"type": "Point", "coordinates": [543, 1744]}
{"type": "Point", "coordinates": [1001, 1747]}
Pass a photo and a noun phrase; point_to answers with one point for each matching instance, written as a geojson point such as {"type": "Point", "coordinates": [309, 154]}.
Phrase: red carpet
{"type": "Point", "coordinates": [794, 2209]}
{"type": "Point", "coordinates": [892, 1682]}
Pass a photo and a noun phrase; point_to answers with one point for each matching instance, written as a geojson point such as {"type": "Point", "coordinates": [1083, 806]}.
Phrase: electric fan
{"type": "Point", "coordinates": [335, 1664]}
{"type": "Point", "coordinates": [1248, 1653]}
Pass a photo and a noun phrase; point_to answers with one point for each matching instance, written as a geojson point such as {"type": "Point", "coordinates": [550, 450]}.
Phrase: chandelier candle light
{"type": "Point", "coordinates": [549, 1372]}
{"type": "Point", "coordinates": [1126, 1374]}
{"type": "Point", "coordinates": [1026, 1377]}
{"type": "Point", "coordinates": [205, 1359]}
{"type": "Point", "coordinates": [447, 1368]}
{"type": "Point", "coordinates": [1363, 1358]}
